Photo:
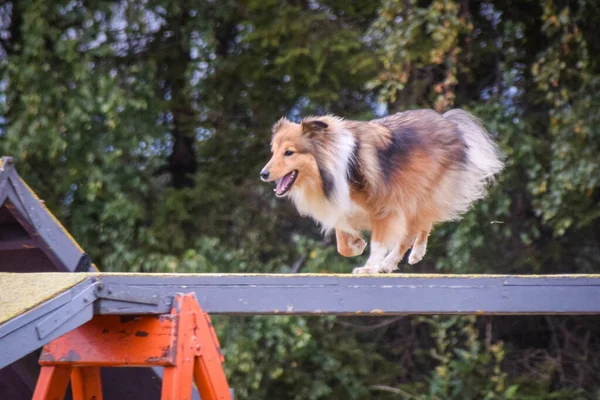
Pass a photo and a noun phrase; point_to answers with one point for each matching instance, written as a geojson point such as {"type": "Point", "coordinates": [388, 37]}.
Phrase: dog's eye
{"type": "Point", "coordinates": [288, 153]}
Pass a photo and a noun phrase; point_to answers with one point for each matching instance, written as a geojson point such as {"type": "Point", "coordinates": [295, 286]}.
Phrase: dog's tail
{"type": "Point", "coordinates": [484, 159]}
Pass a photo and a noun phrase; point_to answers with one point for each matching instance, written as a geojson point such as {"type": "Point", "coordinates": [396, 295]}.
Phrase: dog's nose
{"type": "Point", "coordinates": [264, 174]}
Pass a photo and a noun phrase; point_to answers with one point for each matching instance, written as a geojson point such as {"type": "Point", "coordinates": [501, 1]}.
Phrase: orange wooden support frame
{"type": "Point", "coordinates": [183, 342]}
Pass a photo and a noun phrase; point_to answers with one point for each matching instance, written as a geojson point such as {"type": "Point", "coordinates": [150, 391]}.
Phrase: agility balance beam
{"type": "Point", "coordinates": [43, 319]}
{"type": "Point", "coordinates": [347, 294]}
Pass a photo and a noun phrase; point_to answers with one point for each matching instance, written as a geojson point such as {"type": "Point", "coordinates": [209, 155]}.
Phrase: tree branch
{"type": "Point", "coordinates": [299, 264]}
{"type": "Point", "coordinates": [394, 390]}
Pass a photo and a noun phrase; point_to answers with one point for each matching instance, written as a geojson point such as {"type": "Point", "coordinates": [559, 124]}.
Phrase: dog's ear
{"type": "Point", "coordinates": [313, 127]}
{"type": "Point", "coordinates": [278, 124]}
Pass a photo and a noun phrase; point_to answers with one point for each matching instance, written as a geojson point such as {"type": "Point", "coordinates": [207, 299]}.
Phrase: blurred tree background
{"type": "Point", "coordinates": [144, 124]}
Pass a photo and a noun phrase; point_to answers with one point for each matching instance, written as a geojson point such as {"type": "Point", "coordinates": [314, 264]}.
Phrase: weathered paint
{"type": "Point", "coordinates": [107, 340]}
{"type": "Point", "coordinates": [183, 343]}
{"type": "Point", "coordinates": [337, 294]}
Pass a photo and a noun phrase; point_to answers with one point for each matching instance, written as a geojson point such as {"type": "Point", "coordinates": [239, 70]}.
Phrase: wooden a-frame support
{"type": "Point", "coordinates": [183, 342]}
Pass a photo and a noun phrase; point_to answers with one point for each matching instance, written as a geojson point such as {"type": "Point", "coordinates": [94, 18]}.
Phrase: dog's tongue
{"type": "Point", "coordinates": [283, 183]}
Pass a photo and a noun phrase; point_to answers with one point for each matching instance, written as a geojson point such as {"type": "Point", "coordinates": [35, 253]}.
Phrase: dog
{"type": "Point", "coordinates": [396, 176]}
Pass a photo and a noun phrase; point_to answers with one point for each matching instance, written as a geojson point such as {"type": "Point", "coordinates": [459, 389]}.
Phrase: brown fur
{"type": "Point", "coordinates": [396, 176]}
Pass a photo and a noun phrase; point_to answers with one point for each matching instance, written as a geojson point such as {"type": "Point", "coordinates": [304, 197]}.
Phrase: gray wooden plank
{"type": "Point", "coordinates": [33, 215]}
{"type": "Point", "coordinates": [6, 167]}
{"type": "Point", "coordinates": [370, 295]}
{"type": "Point", "coordinates": [35, 314]}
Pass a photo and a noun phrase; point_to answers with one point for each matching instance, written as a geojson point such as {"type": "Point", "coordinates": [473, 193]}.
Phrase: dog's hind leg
{"type": "Point", "coordinates": [390, 263]}
{"type": "Point", "coordinates": [349, 245]}
{"type": "Point", "coordinates": [419, 247]}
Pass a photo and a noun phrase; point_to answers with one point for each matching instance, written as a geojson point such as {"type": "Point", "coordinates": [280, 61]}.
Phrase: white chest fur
{"type": "Point", "coordinates": [337, 211]}
{"type": "Point", "coordinates": [328, 214]}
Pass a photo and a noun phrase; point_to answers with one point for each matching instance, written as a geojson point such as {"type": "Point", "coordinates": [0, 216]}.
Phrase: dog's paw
{"type": "Point", "coordinates": [367, 269]}
{"type": "Point", "coordinates": [386, 268]}
{"type": "Point", "coordinates": [354, 246]}
{"type": "Point", "coordinates": [416, 254]}
{"type": "Point", "coordinates": [374, 269]}
{"type": "Point", "coordinates": [357, 245]}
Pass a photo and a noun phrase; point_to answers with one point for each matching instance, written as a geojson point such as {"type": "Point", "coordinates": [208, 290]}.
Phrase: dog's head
{"type": "Point", "coordinates": [293, 163]}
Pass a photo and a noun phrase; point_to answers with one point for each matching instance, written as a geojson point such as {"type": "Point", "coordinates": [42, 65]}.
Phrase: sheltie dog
{"type": "Point", "coordinates": [396, 176]}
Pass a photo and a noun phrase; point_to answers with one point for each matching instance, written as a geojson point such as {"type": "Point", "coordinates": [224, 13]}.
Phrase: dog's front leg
{"type": "Point", "coordinates": [390, 263]}
{"type": "Point", "coordinates": [377, 255]}
{"type": "Point", "coordinates": [349, 245]}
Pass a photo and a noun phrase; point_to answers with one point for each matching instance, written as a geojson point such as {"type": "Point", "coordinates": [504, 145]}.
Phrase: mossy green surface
{"type": "Point", "coordinates": [22, 292]}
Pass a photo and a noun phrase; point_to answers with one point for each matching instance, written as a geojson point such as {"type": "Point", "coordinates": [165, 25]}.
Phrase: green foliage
{"type": "Point", "coordinates": [305, 359]}
{"type": "Point", "coordinates": [466, 370]}
{"type": "Point", "coordinates": [428, 39]}
{"type": "Point", "coordinates": [471, 367]}
{"type": "Point", "coordinates": [143, 124]}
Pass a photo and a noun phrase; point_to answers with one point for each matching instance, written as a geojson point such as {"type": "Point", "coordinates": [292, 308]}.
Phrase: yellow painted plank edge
{"type": "Point", "coordinates": [317, 275]}
{"type": "Point", "coordinates": [346, 275]}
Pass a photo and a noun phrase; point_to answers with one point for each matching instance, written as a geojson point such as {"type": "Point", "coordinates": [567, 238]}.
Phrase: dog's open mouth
{"type": "Point", "coordinates": [285, 184]}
